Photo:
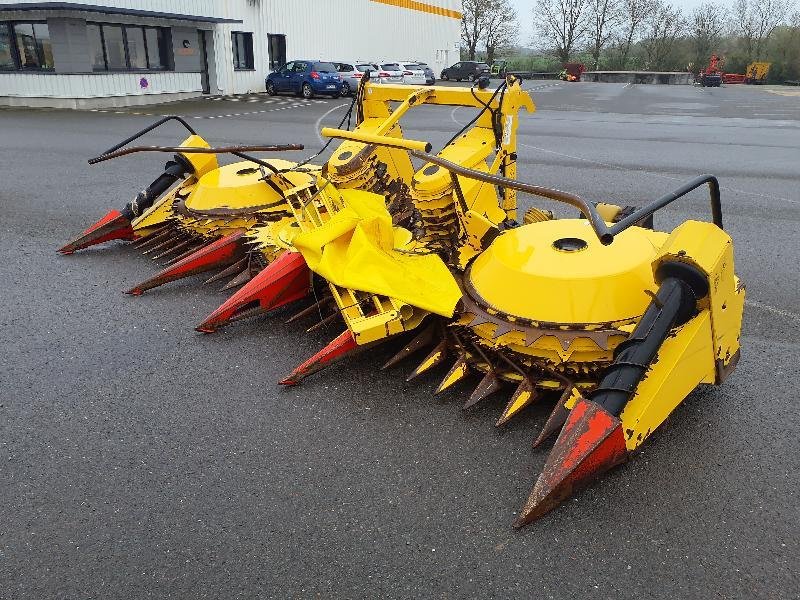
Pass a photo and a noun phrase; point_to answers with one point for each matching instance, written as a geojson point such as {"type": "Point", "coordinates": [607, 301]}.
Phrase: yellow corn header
{"type": "Point", "coordinates": [608, 319]}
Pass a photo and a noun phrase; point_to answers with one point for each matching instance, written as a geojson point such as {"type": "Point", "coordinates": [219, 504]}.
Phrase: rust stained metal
{"type": "Point", "coordinates": [323, 322]}
{"type": "Point", "coordinates": [488, 386]}
{"type": "Point", "coordinates": [526, 386]}
{"type": "Point", "coordinates": [316, 307]}
{"type": "Point", "coordinates": [421, 340]}
{"type": "Point", "coordinates": [505, 324]}
{"type": "Point", "coordinates": [557, 417]}
{"type": "Point", "coordinates": [437, 355]}
{"type": "Point", "coordinates": [149, 237]}
{"type": "Point", "coordinates": [230, 271]}
{"type": "Point", "coordinates": [590, 443]}
{"type": "Point", "coordinates": [242, 278]}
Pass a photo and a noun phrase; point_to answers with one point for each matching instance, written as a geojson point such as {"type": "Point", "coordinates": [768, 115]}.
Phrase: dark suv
{"type": "Point", "coordinates": [466, 69]}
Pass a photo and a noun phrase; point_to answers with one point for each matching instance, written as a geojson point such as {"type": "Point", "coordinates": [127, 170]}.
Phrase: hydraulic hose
{"type": "Point", "coordinates": [173, 170]}
{"type": "Point", "coordinates": [674, 304]}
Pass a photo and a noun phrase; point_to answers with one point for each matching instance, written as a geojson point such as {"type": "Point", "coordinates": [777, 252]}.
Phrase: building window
{"type": "Point", "coordinates": [6, 55]}
{"type": "Point", "coordinates": [25, 46]}
{"type": "Point", "coordinates": [156, 40]}
{"type": "Point", "coordinates": [114, 45]}
{"type": "Point", "coordinates": [137, 55]}
{"type": "Point", "coordinates": [127, 48]}
{"type": "Point", "coordinates": [96, 55]}
{"type": "Point", "coordinates": [242, 51]}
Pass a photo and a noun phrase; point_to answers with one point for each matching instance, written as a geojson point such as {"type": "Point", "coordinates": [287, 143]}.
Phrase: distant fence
{"type": "Point", "coordinates": [533, 74]}
{"type": "Point", "coordinates": [667, 78]}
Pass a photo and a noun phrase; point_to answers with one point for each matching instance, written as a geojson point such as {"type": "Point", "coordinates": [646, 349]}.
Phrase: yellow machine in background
{"type": "Point", "coordinates": [757, 72]}
{"type": "Point", "coordinates": [612, 321]}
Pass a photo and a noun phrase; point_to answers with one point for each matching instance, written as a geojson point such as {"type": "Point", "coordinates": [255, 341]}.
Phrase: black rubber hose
{"type": "Point", "coordinates": [673, 305]}
{"type": "Point", "coordinates": [173, 170]}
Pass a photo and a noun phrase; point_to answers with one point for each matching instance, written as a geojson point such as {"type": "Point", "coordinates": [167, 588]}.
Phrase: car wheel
{"type": "Point", "coordinates": [307, 91]}
{"type": "Point", "coordinates": [271, 88]}
{"type": "Point", "coordinates": [471, 77]}
{"type": "Point", "coordinates": [345, 89]}
{"type": "Point", "coordinates": [458, 79]}
{"type": "Point", "coordinates": [445, 77]}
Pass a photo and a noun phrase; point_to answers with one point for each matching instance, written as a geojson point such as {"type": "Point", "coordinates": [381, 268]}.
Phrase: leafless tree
{"type": "Point", "coordinates": [663, 26]}
{"type": "Point", "coordinates": [501, 27]}
{"type": "Point", "coordinates": [562, 23]}
{"type": "Point", "coordinates": [707, 25]}
{"type": "Point", "coordinates": [634, 12]}
{"type": "Point", "coordinates": [473, 24]}
{"type": "Point", "coordinates": [755, 21]}
{"type": "Point", "coordinates": [604, 16]}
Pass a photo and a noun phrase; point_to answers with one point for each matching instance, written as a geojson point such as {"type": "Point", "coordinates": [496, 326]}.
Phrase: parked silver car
{"type": "Point", "coordinates": [413, 74]}
{"type": "Point", "coordinates": [430, 76]}
{"type": "Point", "coordinates": [352, 73]}
{"type": "Point", "coordinates": [389, 73]}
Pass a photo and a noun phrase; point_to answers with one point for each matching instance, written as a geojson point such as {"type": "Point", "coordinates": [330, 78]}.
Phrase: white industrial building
{"type": "Point", "coordinates": [89, 54]}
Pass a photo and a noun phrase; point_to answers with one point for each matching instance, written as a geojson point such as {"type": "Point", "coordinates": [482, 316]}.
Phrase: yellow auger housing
{"type": "Point", "coordinates": [617, 321]}
{"type": "Point", "coordinates": [611, 320]}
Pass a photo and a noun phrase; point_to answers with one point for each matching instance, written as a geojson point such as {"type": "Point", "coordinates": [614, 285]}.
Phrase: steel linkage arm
{"type": "Point", "coordinates": [147, 129]}
{"type": "Point", "coordinates": [604, 233]}
{"type": "Point", "coordinates": [239, 151]}
{"type": "Point", "coordinates": [235, 150]}
{"type": "Point", "coordinates": [586, 208]}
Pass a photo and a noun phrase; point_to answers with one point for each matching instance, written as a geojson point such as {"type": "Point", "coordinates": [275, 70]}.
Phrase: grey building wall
{"type": "Point", "coordinates": [70, 45]}
{"type": "Point", "coordinates": [187, 59]}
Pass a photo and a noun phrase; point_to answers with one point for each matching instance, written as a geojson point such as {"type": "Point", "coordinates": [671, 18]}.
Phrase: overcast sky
{"type": "Point", "coordinates": [525, 15]}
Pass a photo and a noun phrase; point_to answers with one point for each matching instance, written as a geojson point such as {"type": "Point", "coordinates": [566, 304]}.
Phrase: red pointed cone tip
{"type": "Point", "coordinates": [113, 226]}
{"type": "Point", "coordinates": [284, 280]}
{"type": "Point", "coordinates": [219, 253]}
{"type": "Point", "coordinates": [590, 443]}
{"type": "Point", "coordinates": [337, 349]}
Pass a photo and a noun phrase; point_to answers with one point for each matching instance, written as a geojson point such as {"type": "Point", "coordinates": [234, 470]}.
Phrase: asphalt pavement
{"type": "Point", "coordinates": [140, 459]}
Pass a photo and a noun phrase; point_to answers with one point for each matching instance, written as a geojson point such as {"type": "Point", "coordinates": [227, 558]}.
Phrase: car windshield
{"type": "Point", "coordinates": [324, 67]}
{"type": "Point", "coordinates": [413, 67]}
{"type": "Point", "coordinates": [423, 65]}
{"type": "Point", "coordinates": [390, 67]}
{"type": "Point", "coordinates": [344, 68]}
{"type": "Point", "coordinates": [366, 67]}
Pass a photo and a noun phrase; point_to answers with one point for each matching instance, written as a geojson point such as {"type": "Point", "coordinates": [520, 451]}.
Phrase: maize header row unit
{"type": "Point", "coordinates": [611, 321]}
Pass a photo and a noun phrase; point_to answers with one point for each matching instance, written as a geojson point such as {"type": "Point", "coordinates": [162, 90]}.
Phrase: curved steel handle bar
{"type": "Point", "coordinates": [236, 150]}
{"type": "Point", "coordinates": [589, 211]}
{"type": "Point", "coordinates": [604, 233]}
{"type": "Point", "coordinates": [188, 127]}
{"type": "Point", "coordinates": [647, 210]}
{"type": "Point", "coordinates": [148, 129]}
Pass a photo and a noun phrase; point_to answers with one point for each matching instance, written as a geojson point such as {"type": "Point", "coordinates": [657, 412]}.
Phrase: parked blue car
{"type": "Point", "coordinates": [305, 78]}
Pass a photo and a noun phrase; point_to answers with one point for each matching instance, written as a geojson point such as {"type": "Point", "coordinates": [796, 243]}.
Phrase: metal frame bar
{"type": "Point", "coordinates": [141, 132]}
{"type": "Point", "coordinates": [604, 233]}
{"type": "Point", "coordinates": [235, 150]}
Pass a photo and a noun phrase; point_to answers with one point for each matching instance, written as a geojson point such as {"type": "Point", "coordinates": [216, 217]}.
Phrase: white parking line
{"type": "Point", "coordinates": [225, 116]}
{"type": "Point", "coordinates": [787, 314]}
{"type": "Point", "coordinates": [319, 121]}
{"type": "Point", "coordinates": [655, 174]}
{"type": "Point", "coordinates": [544, 86]}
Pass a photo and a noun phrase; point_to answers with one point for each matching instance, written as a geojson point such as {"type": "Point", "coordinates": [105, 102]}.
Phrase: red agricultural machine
{"type": "Point", "coordinates": [713, 76]}
{"type": "Point", "coordinates": [572, 72]}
